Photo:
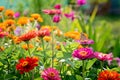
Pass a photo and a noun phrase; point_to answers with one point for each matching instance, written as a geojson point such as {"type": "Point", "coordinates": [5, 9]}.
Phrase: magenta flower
{"type": "Point", "coordinates": [103, 57]}
{"type": "Point", "coordinates": [52, 12]}
{"type": "Point", "coordinates": [56, 18]}
{"type": "Point", "coordinates": [84, 42]}
{"type": "Point", "coordinates": [118, 60]}
{"type": "Point", "coordinates": [83, 53]}
{"type": "Point", "coordinates": [70, 15]}
{"type": "Point", "coordinates": [57, 6]}
{"type": "Point", "coordinates": [50, 74]}
{"type": "Point", "coordinates": [16, 15]}
{"type": "Point", "coordinates": [81, 2]}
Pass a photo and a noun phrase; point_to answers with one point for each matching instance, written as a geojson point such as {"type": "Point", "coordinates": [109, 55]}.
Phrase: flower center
{"type": "Point", "coordinates": [25, 63]}
{"type": "Point", "coordinates": [83, 53]}
{"type": "Point", "coordinates": [52, 74]}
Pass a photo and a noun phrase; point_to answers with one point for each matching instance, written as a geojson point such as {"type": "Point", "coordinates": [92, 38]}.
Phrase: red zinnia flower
{"type": "Point", "coordinates": [108, 75]}
{"type": "Point", "coordinates": [50, 74]}
{"type": "Point", "coordinates": [28, 36]}
{"type": "Point", "coordinates": [27, 64]}
{"type": "Point", "coordinates": [43, 32]}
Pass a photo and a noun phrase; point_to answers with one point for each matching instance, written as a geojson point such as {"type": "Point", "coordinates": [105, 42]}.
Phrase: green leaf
{"type": "Point", "coordinates": [78, 77]}
{"type": "Point", "coordinates": [90, 63]}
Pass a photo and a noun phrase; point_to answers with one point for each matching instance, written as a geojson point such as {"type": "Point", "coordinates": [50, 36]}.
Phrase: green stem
{"type": "Point", "coordinates": [101, 65]}
{"type": "Point", "coordinates": [33, 74]}
{"type": "Point", "coordinates": [83, 69]}
{"type": "Point", "coordinates": [28, 47]}
{"type": "Point", "coordinates": [52, 62]}
{"type": "Point", "coordinates": [43, 46]}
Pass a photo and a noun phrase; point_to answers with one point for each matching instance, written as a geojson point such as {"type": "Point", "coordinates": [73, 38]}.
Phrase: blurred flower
{"type": "Point", "coordinates": [118, 61]}
{"type": "Point", "coordinates": [56, 18]}
{"type": "Point", "coordinates": [37, 17]}
{"type": "Point", "coordinates": [43, 32]}
{"type": "Point", "coordinates": [50, 74]}
{"type": "Point", "coordinates": [79, 46]}
{"type": "Point", "coordinates": [25, 12]}
{"type": "Point", "coordinates": [2, 33]}
{"type": "Point", "coordinates": [2, 26]}
{"type": "Point", "coordinates": [83, 53]}
{"type": "Point", "coordinates": [52, 12]}
{"type": "Point", "coordinates": [22, 21]}
{"type": "Point", "coordinates": [58, 32]}
{"type": "Point", "coordinates": [28, 36]}
{"type": "Point", "coordinates": [1, 8]}
{"type": "Point", "coordinates": [81, 2]}
{"type": "Point", "coordinates": [16, 40]}
{"type": "Point", "coordinates": [9, 22]}
{"type": "Point", "coordinates": [39, 49]}
{"type": "Point", "coordinates": [2, 48]}
{"type": "Point", "coordinates": [9, 13]}
{"type": "Point", "coordinates": [25, 46]}
{"type": "Point", "coordinates": [16, 15]}
{"type": "Point", "coordinates": [84, 42]}
{"type": "Point", "coordinates": [70, 15]}
{"type": "Point", "coordinates": [72, 34]}
{"type": "Point", "coordinates": [27, 64]}
{"type": "Point", "coordinates": [47, 38]}
{"type": "Point", "coordinates": [38, 26]}
{"type": "Point", "coordinates": [103, 57]}
{"type": "Point", "coordinates": [17, 31]}
{"type": "Point", "coordinates": [108, 75]}
{"type": "Point", "coordinates": [57, 6]}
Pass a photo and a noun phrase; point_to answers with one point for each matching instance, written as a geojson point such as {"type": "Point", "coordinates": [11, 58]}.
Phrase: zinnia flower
{"type": "Point", "coordinates": [23, 20]}
{"type": "Point", "coordinates": [56, 18]}
{"type": "Point", "coordinates": [9, 13]}
{"type": "Point", "coordinates": [43, 32]}
{"type": "Point", "coordinates": [57, 6]}
{"type": "Point", "coordinates": [70, 15]}
{"type": "Point", "coordinates": [84, 42]}
{"type": "Point", "coordinates": [27, 64]}
{"type": "Point", "coordinates": [83, 53]}
{"type": "Point", "coordinates": [50, 74]}
{"type": "Point", "coordinates": [1, 8]}
{"type": "Point", "coordinates": [103, 57]}
{"type": "Point", "coordinates": [17, 31]}
{"type": "Point", "coordinates": [52, 12]}
{"type": "Point", "coordinates": [28, 36]}
{"type": "Point", "coordinates": [108, 75]}
{"type": "Point", "coordinates": [2, 34]}
{"type": "Point", "coordinates": [16, 15]}
{"type": "Point", "coordinates": [81, 2]}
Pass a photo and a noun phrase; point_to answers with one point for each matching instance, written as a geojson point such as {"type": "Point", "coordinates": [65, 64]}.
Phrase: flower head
{"type": "Point", "coordinates": [83, 53]}
{"type": "Point", "coordinates": [22, 21]}
{"type": "Point", "coordinates": [9, 13]}
{"type": "Point", "coordinates": [43, 32]}
{"type": "Point", "coordinates": [52, 12]}
{"type": "Point", "coordinates": [27, 64]}
{"type": "Point", "coordinates": [70, 15]}
{"type": "Point", "coordinates": [81, 2]}
{"type": "Point", "coordinates": [28, 36]}
{"type": "Point", "coordinates": [1, 8]}
{"type": "Point", "coordinates": [50, 74]}
{"type": "Point", "coordinates": [103, 57]}
{"type": "Point", "coordinates": [17, 31]}
{"type": "Point", "coordinates": [56, 18]}
{"type": "Point", "coordinates": [108, 75]}
{"type": "Point", "coordinates": [57, 6]}
{"type": "Point", "coordinates": [87, 41]}
{"type": "Point", "coordinates": [16, 15]}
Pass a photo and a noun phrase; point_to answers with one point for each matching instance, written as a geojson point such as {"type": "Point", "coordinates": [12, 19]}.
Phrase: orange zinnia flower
{"type": "Point", "coordinates": [47, 38]}
{"type": "Point", "coordinates": [9, 13]}
{"type": "Point", "coordinates": [2, 26]}
{"type": "Point", "coordinates": [1, 8]}
{"type": "Point", "coordinates": [108, 75]}
{"type": "Point", "coordinates": [26, 47]}
{"type": "Point", "coordinates": [27, 64]}
{"type": "Point", "coordinates": [22, 21]}
{"type": "Point", "coordinates": [35, 16]}
{"type": "Point", "coordinates": [43, 32]}
{"type": "Point", "coordinates": [28, 36]}
{"type": "Point", "coordinates": [9, 22]}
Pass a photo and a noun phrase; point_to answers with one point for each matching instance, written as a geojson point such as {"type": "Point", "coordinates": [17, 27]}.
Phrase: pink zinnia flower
{"type": "Point", "coordinates": [52, 12]}
{"type": "Point", "coordinates": [16, 15]}
{"type": "Point", "coordinates": [70, 15]}
{"type": "Point", "coordinates": [57, 6]}
{"type": "Point", "coordinates": [103, 57]}
{"type": "Point", "coordinates": [81, 2]}
{"type": "Point", "coordinates": [84, 42]}
{"type": "Point", "coordinates": [2, 34]}
{"type": "Point", "coordinates": [43, 32]}
{"type": "Point", "coordinates": [56, 18]}
{"type": "Point", "coordinates": [83, 53]}
{"type": "Point", "coordinates": [50, 74]}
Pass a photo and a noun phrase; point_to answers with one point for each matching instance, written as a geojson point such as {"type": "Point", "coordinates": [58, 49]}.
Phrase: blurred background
{"type": "Point", "coordinates": [107, 14]}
